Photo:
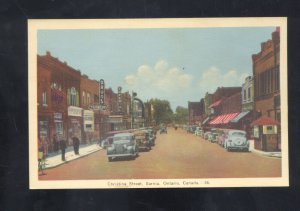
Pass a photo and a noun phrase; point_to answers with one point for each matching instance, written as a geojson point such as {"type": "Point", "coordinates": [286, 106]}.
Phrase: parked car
{"type": "Point", "coordinates": [198, 131]}
{"type": "Point", "coordinates": [123, 145]}
{"type": "Point", "coordinates": [192, 129]}
{"type": "Point", "coordinates": [221, 138]}
{"type": "Point", "coordinates": [142, 138]}
{"type": "Point", "coordinates": [152, 137]}
{"type": "Point", "coordinates": [105, 143]}
{"type": "Point", "coordinates": [213, 135]}
{"type": "Point", "coordinates": [236, 140]}
{"type": "Point", "coordinates": [205, 136]}
{"type": "Point", "coordinates": [163, 130]}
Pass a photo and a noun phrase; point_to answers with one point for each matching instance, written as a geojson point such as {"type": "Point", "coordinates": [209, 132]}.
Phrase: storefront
{"type": "Point", "coordinates": [115, 122]}
{"type": "Point", "coordinates": [74, 123]}
{"type": "Point", "coordinates": [266, 134]}
{"type": "Point", "coordinates": [88, 126]}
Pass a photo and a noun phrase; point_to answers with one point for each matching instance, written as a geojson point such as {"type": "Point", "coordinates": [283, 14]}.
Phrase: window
{"type": "Point", "coordinates": [73, 97]}
{"type": "Point", "coordinates": [88, 98]}
{"type": "Point", "coordinates": [245, 95]}
{"type": "Point", "coordinates": [83, 98]}
{"type": "Point", "coordinates": [44, 98]}
{"type": "Point", "coordinates": [249, 93]}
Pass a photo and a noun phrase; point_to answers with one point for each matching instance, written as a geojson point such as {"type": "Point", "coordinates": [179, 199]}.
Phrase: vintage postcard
{"type": "Point", "coordinates": [158, 103]}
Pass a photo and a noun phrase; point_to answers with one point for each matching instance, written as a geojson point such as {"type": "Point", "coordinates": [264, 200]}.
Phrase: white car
{"type": "Point", "coordinates": [236, 140]}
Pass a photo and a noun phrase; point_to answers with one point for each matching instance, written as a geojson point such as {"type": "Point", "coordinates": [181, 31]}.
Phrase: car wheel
{"type": "Point", "coordinates": [109, 159]}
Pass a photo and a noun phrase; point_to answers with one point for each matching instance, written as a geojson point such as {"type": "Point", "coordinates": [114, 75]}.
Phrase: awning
{"type": "Point", "coordinates": [215, 104]}
{"type": "Point", "coordinates": [265, 121]}
{"type": "Point", "coordinates": [223, 119]}
{"type": "Point", "coordinates": [240, 116]}
{"type": "Point", "coordinates": [205, 121]}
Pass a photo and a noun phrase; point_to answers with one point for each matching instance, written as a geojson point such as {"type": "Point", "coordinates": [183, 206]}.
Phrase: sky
{"type": "Point", "coordinates": [175, 64]}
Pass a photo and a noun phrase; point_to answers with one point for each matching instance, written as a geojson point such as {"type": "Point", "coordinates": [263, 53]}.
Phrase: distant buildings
{"type": "Point", "coordinates": [253, 107]}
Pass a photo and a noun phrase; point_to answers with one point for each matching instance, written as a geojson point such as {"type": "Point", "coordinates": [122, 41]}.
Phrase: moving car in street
{"type": "Point", "coordinates": [236, 140]}
{"type": "Point", "coordinates": [163, 130]}
{"type": "Point", "coordinates": [123, 145]}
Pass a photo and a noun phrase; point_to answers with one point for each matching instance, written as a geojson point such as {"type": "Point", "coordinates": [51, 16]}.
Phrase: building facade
{"type": "Point", "coordinates": [266, 73]}
{"type": "Point", "coordinates": [196, 111]}
{"type": "Point", "coordinates": [59, 111]}
{"type": "Point", "coordinates": [248, 94]}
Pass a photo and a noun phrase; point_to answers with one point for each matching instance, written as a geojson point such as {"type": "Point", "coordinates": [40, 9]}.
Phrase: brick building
{"type": "Point", "coordinates": [226, 106]}
{"type": "Point", "coordinates": [266, 72]}
{"type": "Point", "coordinates": [196, 112]}
{"type": "Point", "coordinates": [89, 95]}
{"type": "Point", "coordinates": [59, 109]}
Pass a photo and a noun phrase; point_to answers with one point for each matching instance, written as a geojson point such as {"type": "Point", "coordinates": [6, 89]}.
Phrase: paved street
{"type": "Point", "coordinates": [175, 155]}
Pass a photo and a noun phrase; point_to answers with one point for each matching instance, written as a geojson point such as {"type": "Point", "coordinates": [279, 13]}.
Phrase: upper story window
{"type": "Point", "coordinates": [73, 97]}
{"type": "Point", "coordinates": [88, 98]}
{"type": "Point", "coordinates": [245, 95]}
{"type": "Point", "coordinates": [83, 98]}
{"type": "Point", "coordinates": [249, 93]}
{"type": "Point", "coordinates": [44, 98]}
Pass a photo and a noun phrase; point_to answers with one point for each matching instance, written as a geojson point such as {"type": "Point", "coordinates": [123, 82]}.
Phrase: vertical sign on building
{"type": "Point", "coordinates": [101, 94]}
{"type": "Point", "coordinates": [120, 99]}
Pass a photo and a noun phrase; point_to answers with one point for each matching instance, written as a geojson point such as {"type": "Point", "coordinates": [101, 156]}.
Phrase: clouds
{"type": "Point", "coordinates": [213, 77]}
{"type": "Point", "coordinates": [178, 86]}
{"type": "Point", "coordinates": [162, 78]}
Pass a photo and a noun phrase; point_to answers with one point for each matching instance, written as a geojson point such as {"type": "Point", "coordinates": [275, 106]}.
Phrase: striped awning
{"type": "Point", "coordinates": [215, 104]}
{"type": "Point", "coordinates": [223, 119]}
{"type": "Point", "coordinates": [240, 116]}
{"type": "Point", "coordinates": [205, 121]}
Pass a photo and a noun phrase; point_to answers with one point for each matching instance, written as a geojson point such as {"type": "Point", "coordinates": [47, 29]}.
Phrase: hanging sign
{"type": "Point", "coordinates": [101, 92]}
{"type": "Point", "coordinates": [120, 99]}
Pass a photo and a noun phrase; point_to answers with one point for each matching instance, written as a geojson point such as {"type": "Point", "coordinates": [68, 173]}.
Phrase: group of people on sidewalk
{"type": "Point", "coordinates": [59, 143]}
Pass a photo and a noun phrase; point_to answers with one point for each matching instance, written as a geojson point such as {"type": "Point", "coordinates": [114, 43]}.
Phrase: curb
{"type": "Point", "coordinates": [91, 152]}
{"type": "Point", "coordinates": [266, 154]}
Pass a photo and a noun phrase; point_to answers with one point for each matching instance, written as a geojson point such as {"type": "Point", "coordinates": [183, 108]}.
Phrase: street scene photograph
{"type": "Point", "coordinates": [178, 103]}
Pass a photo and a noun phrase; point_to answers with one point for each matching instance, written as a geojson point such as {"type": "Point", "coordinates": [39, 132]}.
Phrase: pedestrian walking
{"type": "Point", "coordinates": [63, 149]}
{"type": "Point", "coordinates": [76, 145]}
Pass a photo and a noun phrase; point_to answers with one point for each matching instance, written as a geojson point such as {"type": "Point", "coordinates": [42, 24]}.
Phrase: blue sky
{"type": "Point", "coordinates": [178, 65]}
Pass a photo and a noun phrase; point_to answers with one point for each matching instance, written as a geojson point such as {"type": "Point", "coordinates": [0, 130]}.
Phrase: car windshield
{"type": "Point", "coordinates": [122, 139]}
{"type": "Point", "coordinates": [238, 134]}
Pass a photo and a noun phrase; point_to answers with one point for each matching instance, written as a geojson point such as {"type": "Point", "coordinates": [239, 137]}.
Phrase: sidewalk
{"type": "Point", "coordinates": [54, 159]}
{"type": "Point", "coordinates": [269, 154]}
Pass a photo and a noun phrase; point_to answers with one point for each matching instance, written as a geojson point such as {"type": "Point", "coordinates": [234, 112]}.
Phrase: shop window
{"type": "Point", "coordinates": [43, 129]}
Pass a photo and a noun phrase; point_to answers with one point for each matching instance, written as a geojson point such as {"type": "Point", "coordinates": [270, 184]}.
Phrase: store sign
{"type": "Point", "coordinates": [88, 120]}
{"type": "Point", "coordinates": [269, 129]}
{"type": "Point", "coordinates": [57, 115]}
{"type": "Point", "coordinates": [114, 120]}
{"type": "Point", "coordinates": [88, 116]}
{"type": "Point", "coordinates": [120, 99]}
{"type": "Point", "coordinates": [256, 132]}
{"type": "Point", "coordinates": [101, 92]}
{"type": "Point", "coordinates": [95, 107]}
{"type": "Point", "coordinates": [74, 111]}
